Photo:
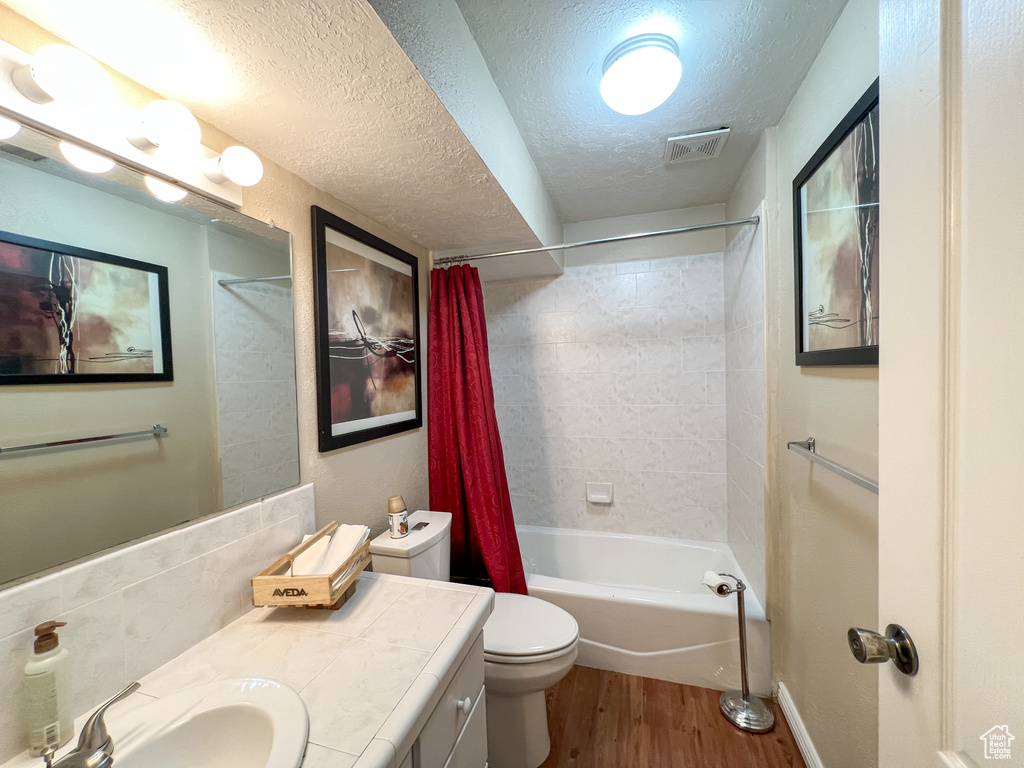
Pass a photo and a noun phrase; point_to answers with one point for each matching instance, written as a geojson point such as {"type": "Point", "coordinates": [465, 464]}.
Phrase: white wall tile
{"type": "Point", "coordinates": [706, 353]}
{"type": "Point", "coordinates": [640, 387]}
{"type": "Point", "coordinates": [682, 320]}
{"type": "Point", "coordinates": [689, 422]}
{"type": "Point", "coordinates": [632, 267]}
{"type": "Point", "coordinates": [30, 603]}
{"type": "Point", "coordinates": [500, 298]}
{"type": "Point", "coordinates": [658, 288]}
{"type": "Point", "coordinates": [618, 290]}
{"type": "Point", "coordinates": [298, 502]}
{"type": "Point", "coordinates": [596, 357]}
{"type": "Point", "coordinates": [116, 570]}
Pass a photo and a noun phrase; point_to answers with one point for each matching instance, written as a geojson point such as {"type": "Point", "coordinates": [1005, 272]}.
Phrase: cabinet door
{"type": "Point", "coordinates": [449, 718]}
{"type": "Point", "coordinates": [471, 748]}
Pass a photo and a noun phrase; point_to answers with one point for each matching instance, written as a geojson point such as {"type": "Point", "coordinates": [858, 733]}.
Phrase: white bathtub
{"type": "Point", "coordinates": [641, 607]}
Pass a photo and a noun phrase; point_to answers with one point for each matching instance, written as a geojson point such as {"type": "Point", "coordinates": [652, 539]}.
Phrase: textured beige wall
{"type": "Point", "coordinates": [822, 530]}
{"type": "Point", "coordinates": [825, 529]}
{"type": "Point", "coordinates": [352, 484]}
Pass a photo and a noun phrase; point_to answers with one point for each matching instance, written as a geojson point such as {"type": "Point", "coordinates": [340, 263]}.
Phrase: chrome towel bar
{"type": "Point", "coordinates": [806, 448]}
{"type": "Point", "coordinates": [156, 431]}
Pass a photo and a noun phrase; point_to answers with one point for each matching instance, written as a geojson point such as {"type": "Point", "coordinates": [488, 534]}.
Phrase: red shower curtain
{"type": "Point", "coordinates": [467, 467]}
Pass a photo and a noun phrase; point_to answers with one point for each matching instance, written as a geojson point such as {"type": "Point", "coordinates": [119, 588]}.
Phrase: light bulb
{"type": "Point", "coordinates": [236, 164]}
{"type": "Point", "coordinates": [165, 124]}
{"type": "Point", "coordinates": [64, 73]}
{"type": "Point", "coordinates": [164, 191]}
{"type": "Point", "coordinates": [641, 73]}
{"type": "Point", "coordinates": [8, 128]}
{"type": "Point", "coordinates": [84, 159]}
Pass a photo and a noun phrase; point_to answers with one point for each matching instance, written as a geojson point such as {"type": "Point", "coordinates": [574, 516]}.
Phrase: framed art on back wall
{"type": "Point", "coordinates": [835, 222]}
{"type": "Point", "coordinates": [367, 334]}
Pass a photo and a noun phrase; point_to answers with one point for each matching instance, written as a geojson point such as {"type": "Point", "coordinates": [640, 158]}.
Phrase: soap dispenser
{"type": "Point", "coordinates": [48, 692]}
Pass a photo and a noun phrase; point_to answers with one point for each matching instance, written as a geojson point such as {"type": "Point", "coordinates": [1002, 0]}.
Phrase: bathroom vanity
{"type": "Point", "coordinates": [392, 679]}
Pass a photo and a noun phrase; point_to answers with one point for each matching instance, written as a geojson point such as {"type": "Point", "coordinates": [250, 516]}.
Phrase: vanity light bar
{"type": "Point", "coordinates": [32, 94]}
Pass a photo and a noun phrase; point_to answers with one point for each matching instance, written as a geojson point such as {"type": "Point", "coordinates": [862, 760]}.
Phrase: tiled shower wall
{"type": "Point", "coordinates": [614, 373]}
{"type": "Point", "coordinates": [256, 410]}
{"type": "Point", "coordinates": [745, 401]}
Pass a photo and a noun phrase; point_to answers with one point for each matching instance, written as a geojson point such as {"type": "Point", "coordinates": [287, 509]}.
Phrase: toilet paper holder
{"type": "Point", "coordinates": [741, 708]}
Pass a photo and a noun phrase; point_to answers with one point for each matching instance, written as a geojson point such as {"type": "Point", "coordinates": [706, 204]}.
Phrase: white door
{"type": "Point", "coordinates": [951, 453]}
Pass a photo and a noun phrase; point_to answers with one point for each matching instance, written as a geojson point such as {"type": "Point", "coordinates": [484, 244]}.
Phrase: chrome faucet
{"type": "Point", "coordinates": [95, 746]}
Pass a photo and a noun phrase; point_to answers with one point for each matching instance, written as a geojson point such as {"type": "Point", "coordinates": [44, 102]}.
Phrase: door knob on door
{"type": "Point", "coordinates": [872, 648]}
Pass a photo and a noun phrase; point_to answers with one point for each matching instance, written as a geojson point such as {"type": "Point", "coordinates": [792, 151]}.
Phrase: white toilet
{"type": "Point", "coordinates": [529, 644]}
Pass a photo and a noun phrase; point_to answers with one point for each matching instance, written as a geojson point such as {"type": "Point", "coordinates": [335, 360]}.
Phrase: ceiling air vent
{"type": "Point", "coordinates": [695, 146]}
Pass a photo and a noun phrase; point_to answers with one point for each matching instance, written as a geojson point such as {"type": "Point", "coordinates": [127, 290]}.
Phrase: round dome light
{"type": "Point", "coordinates": [164, 191]}
{"type": "Point", "coordinates": [62, 72]}
{"type": "Point", "coordinates": [84, 159]}
{"type": "Point", "coordinates": [236, 164]}
{"type": "Point", "coordinates": [8, 128]}
{"type": "Point", "coordinates": [641, 73]}
{"type": "Point", "coordinates": [165, 124]}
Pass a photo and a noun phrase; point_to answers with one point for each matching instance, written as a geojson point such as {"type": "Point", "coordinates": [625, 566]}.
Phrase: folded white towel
{"type": "Point", "coordinates": [327, 554]}
{"type": "Point", "coordinates": [346, 540]}
{"type": "Point", "coordinates": [308, 562]}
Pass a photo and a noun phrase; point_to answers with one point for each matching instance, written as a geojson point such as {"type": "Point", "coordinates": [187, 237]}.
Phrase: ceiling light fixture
{"type": "Point", "coordinates": [641, 73]}
{"type": "Point", "coordinates": [84, 159]}
{"type": "Point", "coordinates": [236, 164]}
{"type": "Point", "coordinates": [8, 128]}
{"type": "Point", "coordinates": [62, 72]}
{"type": "Point", "coordinates": [164, 191]}
{"type": "Point", "coordinates": [165, 124]}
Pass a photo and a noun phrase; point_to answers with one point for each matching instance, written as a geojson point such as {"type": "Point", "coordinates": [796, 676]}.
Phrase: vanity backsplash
{"type": "Point", "coordinates": [134, 609]}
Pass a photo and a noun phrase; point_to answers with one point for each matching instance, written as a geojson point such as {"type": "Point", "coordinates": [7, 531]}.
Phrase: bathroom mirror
{"type": "Point", "coordinates": [120, 314]}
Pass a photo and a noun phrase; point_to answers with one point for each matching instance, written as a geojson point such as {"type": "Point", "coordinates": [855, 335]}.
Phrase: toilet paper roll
{"type": "Point", "coordinates": [717, 584]}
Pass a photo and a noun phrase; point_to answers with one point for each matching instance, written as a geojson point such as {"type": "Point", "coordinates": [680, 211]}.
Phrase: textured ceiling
{"type": "Point", "coordinates": [742, 63]}
{"type": "Point", "coordinates": [322, 88]}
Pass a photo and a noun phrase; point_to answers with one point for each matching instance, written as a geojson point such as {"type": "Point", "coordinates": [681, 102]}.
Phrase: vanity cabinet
{"type": "Point", "coordinates": [455, 735]}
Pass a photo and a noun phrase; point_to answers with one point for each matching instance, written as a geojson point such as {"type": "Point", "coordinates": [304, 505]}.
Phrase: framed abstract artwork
{"type": "Point", "coordinates": [835, 220]}
{"type": "Point", "coordinates": [70, 315]}
{"type": "Point", "coordinates": [367, 335]}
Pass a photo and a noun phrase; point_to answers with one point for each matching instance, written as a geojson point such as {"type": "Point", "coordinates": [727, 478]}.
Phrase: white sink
{"type": "Point", "coordinates": [242, 723]}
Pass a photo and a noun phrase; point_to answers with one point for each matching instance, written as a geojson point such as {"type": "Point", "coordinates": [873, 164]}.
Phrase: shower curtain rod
{"type": "Point", "coordinates": [449, 260]}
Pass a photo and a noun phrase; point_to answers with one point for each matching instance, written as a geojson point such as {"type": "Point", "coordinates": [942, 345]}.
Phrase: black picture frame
{"type": "Point", "coordinates": [322, 221]}
{"type": "Point", "coordinates": [163, 294]}
{"type": "Point", "coordinates": [866, 354]}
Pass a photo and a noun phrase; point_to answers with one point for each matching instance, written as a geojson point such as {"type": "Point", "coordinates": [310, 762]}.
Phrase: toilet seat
{"type": "Point", "coordinates": [527, 630]}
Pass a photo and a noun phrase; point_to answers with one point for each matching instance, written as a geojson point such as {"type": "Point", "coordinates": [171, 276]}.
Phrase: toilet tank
{"type": "Point", "coordinates": [425, 553]}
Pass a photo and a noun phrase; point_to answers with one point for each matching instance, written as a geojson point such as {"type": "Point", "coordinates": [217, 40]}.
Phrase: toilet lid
{"type": "Point", "coordinates": [527, 626]}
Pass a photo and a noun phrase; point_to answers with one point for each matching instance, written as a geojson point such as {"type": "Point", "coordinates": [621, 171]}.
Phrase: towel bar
{"type": "Point", "coordinates": [807, 448]}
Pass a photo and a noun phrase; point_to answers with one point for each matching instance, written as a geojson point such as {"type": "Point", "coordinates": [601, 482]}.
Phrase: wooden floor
{"type": "Point", "coordinates": [601, 719]}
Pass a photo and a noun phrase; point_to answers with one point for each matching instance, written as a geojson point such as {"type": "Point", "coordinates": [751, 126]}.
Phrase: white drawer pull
{"type": "Point", "coordinates": [465, 706]}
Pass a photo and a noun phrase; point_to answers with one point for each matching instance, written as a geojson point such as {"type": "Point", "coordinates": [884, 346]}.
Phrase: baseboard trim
{"type": "Point", "coordinates": [796, 725]}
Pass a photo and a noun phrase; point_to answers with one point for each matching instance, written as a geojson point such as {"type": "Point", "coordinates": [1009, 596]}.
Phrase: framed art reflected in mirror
{"type": "Point", "coordinates": [835, 219]}
{"type": "Point", "coordinates": [367, 333]}
{"type": "Point", "coordinates": [71, 315]}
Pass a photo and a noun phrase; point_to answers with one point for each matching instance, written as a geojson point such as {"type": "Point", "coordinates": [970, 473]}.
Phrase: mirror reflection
{"type": "Point", "coordinates": [121, 314]}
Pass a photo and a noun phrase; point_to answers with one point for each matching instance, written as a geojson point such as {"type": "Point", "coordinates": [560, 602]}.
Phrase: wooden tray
{"type": "Point", "coordinates": [276, 585]}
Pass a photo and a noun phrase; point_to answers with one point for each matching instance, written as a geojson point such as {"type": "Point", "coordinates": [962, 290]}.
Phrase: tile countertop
{"type": "Point", "coordinates": [370, 673]}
